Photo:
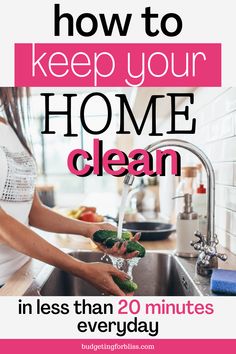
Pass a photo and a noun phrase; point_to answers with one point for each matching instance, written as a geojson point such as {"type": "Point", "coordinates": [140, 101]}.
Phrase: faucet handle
{"type": "Point", "coordinates": [222, 256]}
{"type": "Point", "coordinates": [208, 251]}
{"type": "Point", "coordinates": [199, 235]}
{"type": "Point", "coordinates": [213, 249]}
{"type": "Point", "coordinates": [208, 254]}
{"type": "Point", "coordinates": [200, 243]}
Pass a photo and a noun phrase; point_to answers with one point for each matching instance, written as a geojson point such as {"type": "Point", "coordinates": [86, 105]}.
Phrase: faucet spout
{"type": "Point", "coordinates": [206, 261]}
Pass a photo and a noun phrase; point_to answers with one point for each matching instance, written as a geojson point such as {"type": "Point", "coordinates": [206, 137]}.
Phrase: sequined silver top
{"type": "Point", "coordinates": [21, 176]}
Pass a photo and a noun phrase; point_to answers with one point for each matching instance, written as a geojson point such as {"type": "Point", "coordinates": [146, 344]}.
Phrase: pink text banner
{"type": "Point", "coordinates": [88, 346]}
{"type": "Point", "coordinates": [118, 65]}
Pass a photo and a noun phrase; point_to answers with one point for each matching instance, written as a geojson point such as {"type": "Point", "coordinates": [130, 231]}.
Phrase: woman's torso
{"type": "Point", "coordinates": [17, 183]}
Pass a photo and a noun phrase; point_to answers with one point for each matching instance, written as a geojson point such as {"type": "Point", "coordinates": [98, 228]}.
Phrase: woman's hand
{"type": "Point", "coordinates": [116, 250]}
{"type": "Point", "coordinates": [93, 227]}
{"type": "Point", "coordinates": [119, 249]}
{"type": "Point", "coordinates": [100, 276]}
{"type": "Point", "coordinates": [46, 219]}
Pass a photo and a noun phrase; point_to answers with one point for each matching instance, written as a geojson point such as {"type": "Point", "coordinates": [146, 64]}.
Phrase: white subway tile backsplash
{"type": "Point", "coordinates": [226, 239]}
{"type": "Point", "coordinates": [226, 126]}
{"type": "Point", "coordinates": [223, 237]}
{"type": "Point", "coordinates": [222, 150]}
{"type": "Point", "coordinates": [214, 130]}
{"type": "Point", "coordinates": [234, 119]}
{"type": "Point", "coordinates": [214, 151]}
{"type": "Point", "coordinates": [232, 243]}
{"type": "Point", "coordinates": [229, 147]}
{"type": "Point", "coordinates": [223, 218]}
{"type": "Point", "coordinates": [231, 99]}
{"type": "Point", "coordinates": [203, 98]}
{"type": "Point", "coordinates": [219, 107]}
{"type": "Point", "coordinates": [225, 103]}
{"type": "Point", "coordinates": [226, 196]}
{"type": "Point", "coordinates": [204, 132]}
{"type": "Point", "coordinates": [200, 118]}
{"type": "Point", "coordinates": [224, 173]}
{"type": "Point", "coordinates": [216, 136]}
{"type": "Point", "coordinates": [208, 115]}
{"type": "Point", "coordinates": [233, 223]}
{"type": "Point", "coordinates": [234, 172]}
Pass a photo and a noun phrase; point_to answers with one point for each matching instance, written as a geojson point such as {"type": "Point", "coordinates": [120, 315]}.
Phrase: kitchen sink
{"type": "Point", "coordinates": [157, 274]}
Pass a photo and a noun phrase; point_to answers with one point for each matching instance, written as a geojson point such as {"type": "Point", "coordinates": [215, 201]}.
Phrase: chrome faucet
{"type": "Point", "coordinates": [206, 244]}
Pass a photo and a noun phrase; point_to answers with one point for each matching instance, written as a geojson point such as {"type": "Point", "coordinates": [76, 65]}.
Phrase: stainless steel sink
{"type": "Point", "coordinates": [157, 274]}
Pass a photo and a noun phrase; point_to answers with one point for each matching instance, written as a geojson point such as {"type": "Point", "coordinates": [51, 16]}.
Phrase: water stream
{"type": "Point", "coordinates": [122, 210]}
{"type": "Point", "coordinates": [125, 265]}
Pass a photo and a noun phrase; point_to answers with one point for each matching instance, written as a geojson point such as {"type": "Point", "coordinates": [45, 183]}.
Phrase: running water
{"type": "Point", "coordinates": [125, 265]}
{"type": "Point", "coordinates": [122, 210]}
{"type": "Point", "coordinates": [131, 263]}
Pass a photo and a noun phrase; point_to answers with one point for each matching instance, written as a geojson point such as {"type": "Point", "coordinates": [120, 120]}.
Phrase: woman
{"type": "Point", "coordinates": [20, 208]}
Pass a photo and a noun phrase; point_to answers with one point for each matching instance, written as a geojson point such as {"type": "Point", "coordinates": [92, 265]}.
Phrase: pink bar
{"type": "Point", "coordinates": [161, 346]}
{"type": "Point", "coordinates": [107, 64]}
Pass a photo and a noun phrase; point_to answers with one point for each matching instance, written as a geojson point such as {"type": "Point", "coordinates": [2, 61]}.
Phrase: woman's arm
{"type": "Point", "coordinates": [24, 240]}
{"type": "Point", "coordinates": [46, 219]}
